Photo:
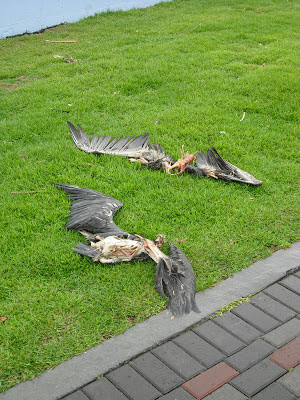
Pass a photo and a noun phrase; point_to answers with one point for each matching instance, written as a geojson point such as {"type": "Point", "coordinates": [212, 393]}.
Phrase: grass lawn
{"type": "Point", "coordinates": [194, 65]}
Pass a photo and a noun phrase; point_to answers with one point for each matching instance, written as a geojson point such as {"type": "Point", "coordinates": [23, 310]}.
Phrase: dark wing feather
{"type": "Point", "coordinates": [212, 164]}
{"type": "Point", "coordinates": [135, 147]}
{"type": "Point", "coordinates": [92, 211]}
{"type": "Point", "coordinates": [178, 283]}
{"type": "Point", "coordinates": [86, 250]}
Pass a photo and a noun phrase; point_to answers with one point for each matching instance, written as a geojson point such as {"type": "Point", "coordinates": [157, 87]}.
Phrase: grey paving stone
{"type": "Point", "coordinates": [272, 307]}
{"type": "Point", "coordinates": [274, 392]}
{"type": "Point", "coordinates": [284, 295]}
{"type": "Point", "coordinates": [237, 326]}
{"type": "Point", "coordinates": [103, 389]}
{"type": "Point", "coordinates": [177, 359]}
{"type": "Point", "coordinates": [156, 372]}
{"type": "Point", "coordinates": [218, 337]}
{"type": "Point", "coordinates": [178, 394]}
{"type": "Point", "coordinates": [291, 381]}
{"type": "Point", "coordinates": [292, 283]}
{"type": "Point", "coordinates": [133, 384]}
{"type": "Point", "coordinates": [257, 377]}
{"type": "Point", "coordinates": [284, 333]}
{"type": "Point", "coordinates": [226, 392]}
{"type": "Point", "coordinates": [199, 348]}
{"type": "Point", "coordinates": [297, 274]}
{"type": "Point", "coordinates": [78, 395]}
{"type": "Point", "coordinates": [255, 317]}
{"type": "Point", "coordinates": [250, 355]}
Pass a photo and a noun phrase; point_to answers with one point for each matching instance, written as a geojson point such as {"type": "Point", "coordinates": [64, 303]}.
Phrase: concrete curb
{"type": "Point", "coordinates": [82, 369]}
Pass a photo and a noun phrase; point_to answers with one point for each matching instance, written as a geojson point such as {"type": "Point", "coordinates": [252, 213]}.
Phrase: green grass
{"type": "Point", "coordinates": [196, 65]}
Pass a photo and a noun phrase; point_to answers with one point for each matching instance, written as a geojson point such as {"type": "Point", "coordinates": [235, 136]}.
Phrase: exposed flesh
{"type": "Point", "coordinates": [113, 249]}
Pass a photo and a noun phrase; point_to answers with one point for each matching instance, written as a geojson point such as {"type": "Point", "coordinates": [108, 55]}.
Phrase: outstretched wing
{"type": "Point", "coordinates": [177, 282]}
{"type": "Point", "coordinates": [213, 165]}
{"type": "Point", "coordinates": [92, 211]}
{"type": "Point", "coordinates": [138, 147]}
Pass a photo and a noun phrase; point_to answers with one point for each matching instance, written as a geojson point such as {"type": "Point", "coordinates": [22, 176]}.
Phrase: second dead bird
{"type": "Point", "coordinates": [92, 215]}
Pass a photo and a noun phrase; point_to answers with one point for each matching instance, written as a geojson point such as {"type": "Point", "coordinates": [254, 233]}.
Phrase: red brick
{"type": "Point", "coordinates": [288, 356]}
{"type": "Point", "coordinates": [210, 380]}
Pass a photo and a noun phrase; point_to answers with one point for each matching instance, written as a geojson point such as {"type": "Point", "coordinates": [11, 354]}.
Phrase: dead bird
{"type": "Point", "coordinates": [92, 215]}
{"type": "Point", "coordinates": [139, 149]}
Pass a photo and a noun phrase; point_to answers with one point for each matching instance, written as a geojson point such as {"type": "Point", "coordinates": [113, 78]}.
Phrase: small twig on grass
{"type": "Point", "coordinates": [61, 41]}
{"type": "Point", "coordinates": [181, 240]}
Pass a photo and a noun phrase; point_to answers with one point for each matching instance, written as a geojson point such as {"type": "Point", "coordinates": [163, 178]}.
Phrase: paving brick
{"type": "Point", "coordinates": [288, 356]}
{"type": "Point", "coordinates": [291, 381]}
{"type": "Point", "coordinates": [255, 317]}
{"type": "Point", "coordinates": [257, 377]}
{"type": "Point", "coordinates": [218, 337]}
{"type": "Point", "coordinates": [237, 327]}
{"type": "Point", "coordinates": [199, 348]}
{"type": "Point", "coordinates": [284, 333]}
{"type": "Point", "coordinates": [226, 392]}
{"type": "Point", "coordinates": [284, 295]}
{"type": "Point", "coordinates": [177, 359]}
{"type": "Point", "coordinates": [210, 380]}
{"type": "Point", "coordinates": [250, 355]}
{"type": "Point", "coordinates": [272, 307]}
{"type": "Point", "coordinates": [156, 372]}
{"type": "Point", "coordinates": [178, 394]}
{"type": "Point", "coordinates": [274, 392]}
{"type": "Point", "coordinates": [78, 395]}
{"type": "Point", "coordinates": [292, 283]}
{"type": "Point", "coordinates": [103, 389]}
{"type": "Point", "coordinates": [132, 384]}
{"type": "Point", "coordinates": [297, 274]}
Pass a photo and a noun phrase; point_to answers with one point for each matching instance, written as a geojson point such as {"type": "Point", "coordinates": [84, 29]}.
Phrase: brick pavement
{"type": "Point", "coordinates": [253, 351]}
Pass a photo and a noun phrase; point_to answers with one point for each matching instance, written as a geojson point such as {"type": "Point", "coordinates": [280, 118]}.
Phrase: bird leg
{"type": "Point", "coordinates": [183, 162]}
{"type": "Point", "coordinates": [140, 160]}
{"type": "Point", "coordinates": [182, 151]}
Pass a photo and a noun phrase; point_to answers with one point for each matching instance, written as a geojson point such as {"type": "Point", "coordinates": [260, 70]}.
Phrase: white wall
{"type": "Point", "coordinates": [20, 16]}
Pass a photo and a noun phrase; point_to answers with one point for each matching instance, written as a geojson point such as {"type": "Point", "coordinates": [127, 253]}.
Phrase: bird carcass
{"type": "Point", "coordinates": [92, 215]}
{"type": "Point", "coordinates": [139, 149]}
